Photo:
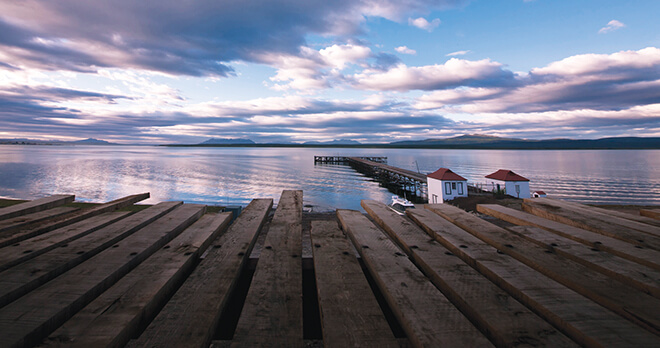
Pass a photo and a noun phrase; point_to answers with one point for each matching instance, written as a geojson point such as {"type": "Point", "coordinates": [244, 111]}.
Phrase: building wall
{"type": "Point", "coordinates": [438, 190]}
{"type": "Point", "coordinates": [509, 187]}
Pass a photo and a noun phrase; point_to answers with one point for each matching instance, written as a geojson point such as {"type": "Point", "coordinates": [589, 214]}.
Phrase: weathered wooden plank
{"type": "Point", "coordinates": [641, 277]}
{"type": "Point", "coordinates": [84, 214]}
{"type": "Point", "coordinates": [630, 303]}
{"type": "Point", "coordinates": [35, 206]}
{"type": "Point", "coordinates": [501, 318]}
{"type": "Point", "coordinates": [20, 279]}
{"type": "Point", "coordinates": [651, 213]}
{"type": "Point", "coordinates": [646, 236]}
{"type": "Point", "coordinates": [190, 317]}
{"type": "Point", "coordinates": [636, 222]}
{"type": "Point", "coordinates": [7, 226]}
{"type": "Point", "coordinates": [32, 317]}
{"type": "Point", "coordinates": [635, 253]}
{"type": "Point", "coordinates": [601, 211]}
{"type": "Point", "coordinates": [426, 315]}
{"type": "Point", "coordinates": [115, 316]}
{"type": "Point", "coordinates": [33, 247]}
{"type": "Point", "coordinates": [584, 321]}
{"type": "Point", "coordinates": [272, 314]}
{"type": "Point", "coordinates": [350, 315]}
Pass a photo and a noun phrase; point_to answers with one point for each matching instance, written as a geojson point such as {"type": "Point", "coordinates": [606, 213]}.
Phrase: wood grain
{"type": "Point", "coordinates": [350, 315]}
{"type": "Point", "coordinates": [581, 319]}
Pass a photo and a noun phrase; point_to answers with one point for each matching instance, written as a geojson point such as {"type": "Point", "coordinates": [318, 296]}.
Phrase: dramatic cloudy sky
{"type": "Point", "coordinates": [296, 70]}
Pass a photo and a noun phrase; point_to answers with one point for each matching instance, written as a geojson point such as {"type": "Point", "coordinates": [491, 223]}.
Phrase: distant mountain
{"type": "Point", "coordinates": [459, 140]}
{"type": "Point", "coordinates": [228, 141]}
{"type": "Point", "coordinates": [90, 141]}
{"type": "Point", "coordinates": [477, 141]}
{"type": "Point", "coordinates": [333, 142]}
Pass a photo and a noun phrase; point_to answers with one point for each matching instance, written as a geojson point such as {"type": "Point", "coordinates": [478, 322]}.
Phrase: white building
{"type": "Point", "coordinates": [509, 182]}
{"type": "Point", "coordinates": [445, 185]}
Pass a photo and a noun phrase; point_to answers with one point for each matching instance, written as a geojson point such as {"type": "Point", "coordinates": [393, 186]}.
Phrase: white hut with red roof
{"type": "Point", "coordinates": [510, 183]}
{"type": "Point", "coordinates": [445, 185]}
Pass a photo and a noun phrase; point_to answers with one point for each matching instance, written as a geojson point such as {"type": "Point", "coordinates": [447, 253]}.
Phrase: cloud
{"type": "Point", "coordinates": [422, 23]}
{"type": "Point", "coordinates": [584, 82]}
{"type": "Point", "coordinates": [311, 69]}
{"type": "Point", "coordinates": [405, 50]}
{"type": "Point", "coordinates": [195, 38]}
{"type": "Point", "coordinates": [458, 53]}
{"type": "Point", "coordinates": [643, 62]}
{"type": "Point", "coordinates": [453, 73]}
{"type": "Point", "coordinates": [611, 26]}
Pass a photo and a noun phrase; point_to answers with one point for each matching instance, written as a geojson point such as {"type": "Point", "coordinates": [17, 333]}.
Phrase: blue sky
{"type": "Point", "coordinates": [293, 71]}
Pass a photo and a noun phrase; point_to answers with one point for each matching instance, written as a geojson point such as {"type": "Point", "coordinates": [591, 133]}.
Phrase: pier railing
{"type": "Point", "coordinates": [345, 159]}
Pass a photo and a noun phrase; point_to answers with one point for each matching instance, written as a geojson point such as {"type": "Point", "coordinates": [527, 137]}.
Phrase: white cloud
{"type": "Point", "coordinates": [596, 63]}
{"type": "Point", "coordinates": [584, 82]}
{"type": "Point", "coordinates": [611, 26]}
{"type": "Point", "coordinates": [453, 73]}
{"type": "Point", "coordinates": [405, 50]}
{"type": "Point", "coordinates": [458, 53]}
{"type": "Point", "coordinates": [310, 69]}
{"type": "Point", "coordinates": [338, 56]}
{"type": "Point", "coordinates": [422, 23]}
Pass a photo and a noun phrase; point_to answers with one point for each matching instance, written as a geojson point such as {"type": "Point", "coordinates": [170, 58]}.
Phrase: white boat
{"type": "Point", "coordinates": [400, 205]}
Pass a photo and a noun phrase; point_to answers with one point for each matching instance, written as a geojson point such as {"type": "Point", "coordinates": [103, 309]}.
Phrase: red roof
{"type": "Point", "coordinates": [445, 174]}
{"type": "Point", "coordinates": [506, 175]}
{"type": "Point", "coordinates": [540, 192]}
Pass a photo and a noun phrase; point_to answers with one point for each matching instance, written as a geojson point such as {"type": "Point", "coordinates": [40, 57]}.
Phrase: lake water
{"type": "Point", "coordinates": [234, 176]}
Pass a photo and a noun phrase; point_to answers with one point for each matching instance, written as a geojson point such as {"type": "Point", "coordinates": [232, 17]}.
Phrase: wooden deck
{"type": "Point", "coordinates": [557, 274]}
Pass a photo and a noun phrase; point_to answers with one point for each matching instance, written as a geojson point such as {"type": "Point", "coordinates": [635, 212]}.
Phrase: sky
{"type": "Point", "coordinates": [375, 71]}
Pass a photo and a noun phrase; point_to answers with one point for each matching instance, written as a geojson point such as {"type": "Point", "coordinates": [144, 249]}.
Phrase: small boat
{"type": "Point", "coordinates": [400, 205]}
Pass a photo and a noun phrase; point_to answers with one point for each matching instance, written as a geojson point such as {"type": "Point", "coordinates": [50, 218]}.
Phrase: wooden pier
{"type": "Point", "coordinates": [346, 160]}
{"type": "Point", "coordinates": [557, 274]}
{"type": "Point", "coordinates": [396, 179]}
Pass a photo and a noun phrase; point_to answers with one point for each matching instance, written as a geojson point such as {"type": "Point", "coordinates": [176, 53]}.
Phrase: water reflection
{"type": "Point", "coordinates": [234, 176]}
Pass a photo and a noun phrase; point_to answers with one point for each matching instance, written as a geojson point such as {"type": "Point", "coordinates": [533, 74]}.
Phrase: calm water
{"type": "Point", "coordinates": [234, 176]}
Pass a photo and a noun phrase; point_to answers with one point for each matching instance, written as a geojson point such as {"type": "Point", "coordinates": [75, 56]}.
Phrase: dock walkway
{"type": "Point", "coordinates": [173, 275]}
{"type": "Point", "coordinates": [390, 176]}
{"type": "Point", "coordinates": [346, 159]}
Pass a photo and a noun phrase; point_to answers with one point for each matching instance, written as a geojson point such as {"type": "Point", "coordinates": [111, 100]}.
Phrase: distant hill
{"type": "Point", "coordinates": [90, 141]}
{"type": "Point", "coordinates": [477, 141]}
{"type": "Point", "coordinates": [228, 141]}
{"type": "Point", "coordinates": [333, 142]}
{"type": "Point", "coordinates": [459, 140]}
{"type": "Point", "coordinates": [23, 141]}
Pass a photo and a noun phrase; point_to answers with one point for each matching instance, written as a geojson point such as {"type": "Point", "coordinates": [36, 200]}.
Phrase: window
{"type": "Point", "coordinates": [460, 188]}
{"type": "Point", "coordinates": [453, 185]}
{"type": "Point", "coordinates": [448, 188]}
